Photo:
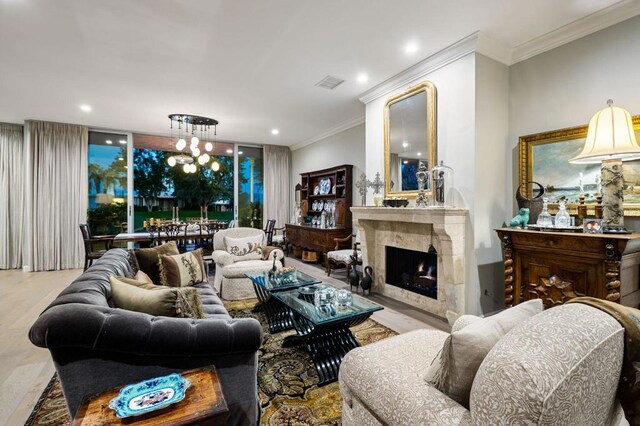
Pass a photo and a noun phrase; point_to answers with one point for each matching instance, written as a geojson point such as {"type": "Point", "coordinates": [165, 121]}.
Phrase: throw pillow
{"type": "Point", "coordinates": [182, 270]}
{"type": "Point", "coordinates": [134, 297]}
{"type": "Point", "coordinates": [465, 349]}
{"type": "Point", "coordinates": [182, 302]}
{"type": "Point", "coordinates": [147, 259]}
{"type": "Point", "coordinates": [142, 277]}
{"type": "Point", "coordinates": [246, 248]}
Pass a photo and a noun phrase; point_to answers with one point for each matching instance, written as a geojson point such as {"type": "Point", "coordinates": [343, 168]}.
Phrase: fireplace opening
{"type": "Point", "coordinates": [412, 270]}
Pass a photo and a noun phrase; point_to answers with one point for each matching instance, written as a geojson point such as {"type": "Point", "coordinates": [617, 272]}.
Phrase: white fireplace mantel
{"type": "Point", "coordinates": [414, 229]}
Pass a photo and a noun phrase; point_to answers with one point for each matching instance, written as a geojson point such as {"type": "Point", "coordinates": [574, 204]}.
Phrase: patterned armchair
{"type": "Point", "coordinates": [232, 263]}
{"type": "Point", "coordinates": [343, 254]}
{"type": "Point", "coordinates": [559, 367]}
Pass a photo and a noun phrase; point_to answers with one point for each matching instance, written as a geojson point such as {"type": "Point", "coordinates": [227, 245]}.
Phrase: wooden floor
{"type": "Point", "coordinates": [25, 369]}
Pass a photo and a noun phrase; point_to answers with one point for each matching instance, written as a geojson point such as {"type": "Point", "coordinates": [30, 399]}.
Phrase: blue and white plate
{"type": "Point", "coordinates": [150, 395]}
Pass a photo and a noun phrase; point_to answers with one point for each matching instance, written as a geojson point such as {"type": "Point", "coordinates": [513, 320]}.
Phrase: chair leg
{"type": "Point", "coordinates": [328, 266]}
{"type": "Point", "coordinates": [86, 262]}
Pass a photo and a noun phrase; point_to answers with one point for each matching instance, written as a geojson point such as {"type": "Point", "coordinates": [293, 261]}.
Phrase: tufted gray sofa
{"type": "Point", "coordinates": [95, 346]}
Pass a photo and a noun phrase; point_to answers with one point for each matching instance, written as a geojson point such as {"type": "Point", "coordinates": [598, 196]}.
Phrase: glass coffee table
{"type": "Point", "coordinates": [324, 331]}
{"type": "Point", "coordinates": [276, 312]}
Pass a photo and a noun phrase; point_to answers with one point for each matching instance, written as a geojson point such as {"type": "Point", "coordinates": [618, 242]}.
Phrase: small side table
{"type": "Point", "coordinates": [204, 405]}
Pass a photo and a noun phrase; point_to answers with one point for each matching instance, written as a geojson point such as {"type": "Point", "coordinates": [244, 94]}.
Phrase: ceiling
{"type": "Point", "coordinates": [252, 65]}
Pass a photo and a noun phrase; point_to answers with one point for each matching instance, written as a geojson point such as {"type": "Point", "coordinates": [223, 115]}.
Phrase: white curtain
{"type": "Point", "coordinates": [57, 199]}
{"type": "Point", "coordinates": [277, 171]}
{"type": "Point", "coordinates": [11, 195]}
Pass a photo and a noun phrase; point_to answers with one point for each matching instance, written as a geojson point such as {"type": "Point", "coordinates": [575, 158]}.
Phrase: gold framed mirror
{"type": "Point", "coordinates": [409, 138]}
{"type": "Point", "coordinates": [544, 158]}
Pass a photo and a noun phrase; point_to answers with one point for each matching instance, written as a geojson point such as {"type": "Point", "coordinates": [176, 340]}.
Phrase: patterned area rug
{"type": "Point", "coordinates": [287, 381]}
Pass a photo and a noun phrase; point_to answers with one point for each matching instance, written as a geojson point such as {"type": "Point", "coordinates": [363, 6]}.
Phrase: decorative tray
{"type": "Point", "coordinates": [310, 289]}
{"type": "Point", "coordinates": [149, 395]}
{"type": "Point", "coordinates": [554, 229]}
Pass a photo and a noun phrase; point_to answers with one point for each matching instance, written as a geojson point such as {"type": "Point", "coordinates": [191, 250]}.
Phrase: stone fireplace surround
{"type": "Point", "coordinates": [411, 228]}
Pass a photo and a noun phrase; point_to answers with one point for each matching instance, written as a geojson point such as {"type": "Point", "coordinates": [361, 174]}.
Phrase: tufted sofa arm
{"type": "Point", "coordinates": [121, 331]}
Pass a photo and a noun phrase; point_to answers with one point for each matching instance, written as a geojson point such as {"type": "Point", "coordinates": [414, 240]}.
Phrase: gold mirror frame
{"type": "Point", "coordinates": [525, 174]}
{"type": "Point", "coordinates": [432, 145]}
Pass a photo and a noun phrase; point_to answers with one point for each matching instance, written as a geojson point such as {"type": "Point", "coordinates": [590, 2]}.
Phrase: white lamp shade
{"type": "Point", "coordinates": [610, 137]}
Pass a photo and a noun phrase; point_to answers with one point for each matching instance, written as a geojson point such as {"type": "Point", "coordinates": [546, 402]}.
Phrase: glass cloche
{"type": "Point", "coordinates": [442, 185]}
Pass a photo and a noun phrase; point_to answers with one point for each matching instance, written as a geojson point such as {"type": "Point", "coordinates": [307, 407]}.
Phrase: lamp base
{"type": "Point", "coordinates": [615, 230]}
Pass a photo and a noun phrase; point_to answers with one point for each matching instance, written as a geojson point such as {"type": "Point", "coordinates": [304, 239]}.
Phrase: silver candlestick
{"type": "Point", "coordinates": [422, 175]}
{"type": "Point", "coordinates": [363, 184]}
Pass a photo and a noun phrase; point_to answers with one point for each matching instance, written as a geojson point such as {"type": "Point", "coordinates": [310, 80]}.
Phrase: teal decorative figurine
{"type": "Point", "coordinates": [521, 220]}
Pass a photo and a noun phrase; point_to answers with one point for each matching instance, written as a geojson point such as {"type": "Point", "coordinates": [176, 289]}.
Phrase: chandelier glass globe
{"type": "Point", "coordinates": [186, 168]}
{"type": "Point", "coordinates": [208, 146]}
{"type": "Point", "coordinates": [195, 150]}
{"type": "Point", "coordinates": [195, 141]}
{"type": "Point", "coordinates": [203, 159]}
{"type": "Point", "coordinates": [215, 166]}
{"type": "Point", "coordinates": [181, 144]}
{"type": "Point", "coordinates": [193, 168]}
{"type": "Point", "coordinates": [171, 161]}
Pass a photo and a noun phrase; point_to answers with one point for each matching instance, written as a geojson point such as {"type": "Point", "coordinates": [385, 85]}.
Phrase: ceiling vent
{"type": "Point", "coordinates": [330, 82]}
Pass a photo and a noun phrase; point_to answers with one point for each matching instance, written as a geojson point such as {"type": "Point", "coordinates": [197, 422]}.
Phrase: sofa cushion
{"type": "Point", "coordinates": [244, 248]}
{"type": "Point", "coordinates": [147, 260]}
{"type": "Point", "coordinates": [465, 349]}
{"type": "Point", "coordinates": [238, 269]}
{"type": "Point", "coordinates": [142, 298]}
{"type": "Point", "coordinates": [182, 270]}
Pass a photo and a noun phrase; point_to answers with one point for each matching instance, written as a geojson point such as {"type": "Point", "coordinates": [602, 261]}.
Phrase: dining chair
{"type": "Point", "coordinates": [90, 254]}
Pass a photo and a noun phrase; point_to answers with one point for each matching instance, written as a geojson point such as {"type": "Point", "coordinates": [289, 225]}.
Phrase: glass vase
{"type": "Point", "coordinates": [563, 220]}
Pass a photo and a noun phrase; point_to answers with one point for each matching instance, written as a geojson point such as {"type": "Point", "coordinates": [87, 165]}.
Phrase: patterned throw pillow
{"type": "Point", "coordinates": [246, 248]}
{"type": "Point", "coordinates": [146, 259]}
{"type": "Point", "coordinates": [468, 345]}
{"type": "Point", "coordinates": [133, 295]}
{"type": "Point", "coordinates": [182, 270]}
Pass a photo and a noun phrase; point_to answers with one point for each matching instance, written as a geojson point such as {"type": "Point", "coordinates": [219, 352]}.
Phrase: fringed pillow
{"type": "Point", "coordinates": [182, 270]}
{"type": "Point", "coordinates": [468, 345]}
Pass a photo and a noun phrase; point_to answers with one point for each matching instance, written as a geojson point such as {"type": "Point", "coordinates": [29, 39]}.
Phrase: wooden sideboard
{"type": "Point", "coordinates": [556, 266]}
{"type": "Point", "coordinates": [315, 239]}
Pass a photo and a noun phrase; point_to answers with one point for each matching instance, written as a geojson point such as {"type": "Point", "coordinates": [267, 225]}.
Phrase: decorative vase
{"type": "Point", "coordinates": [563, 220]}
{"type": "Point", "coordinates": [377, 200]}
{"type": "Point", "coordinates": [544, 218]}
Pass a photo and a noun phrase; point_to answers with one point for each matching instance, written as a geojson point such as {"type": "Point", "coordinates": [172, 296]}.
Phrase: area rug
{"type": "Point", "coordinates": [287, 381]}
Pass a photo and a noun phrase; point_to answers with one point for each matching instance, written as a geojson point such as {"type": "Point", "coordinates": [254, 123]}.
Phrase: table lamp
{"type": "Point", "coordinates": [610, 141]}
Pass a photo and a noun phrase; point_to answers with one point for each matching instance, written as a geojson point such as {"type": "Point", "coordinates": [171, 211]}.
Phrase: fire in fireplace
{"type": "Point", "coordinates": [412, 270]}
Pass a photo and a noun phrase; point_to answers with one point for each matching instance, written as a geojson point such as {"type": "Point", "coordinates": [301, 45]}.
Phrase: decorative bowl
{"type": "Point", "coordinates": [149, 395]}
{"type": "Point", "coordinates": [395, 202]}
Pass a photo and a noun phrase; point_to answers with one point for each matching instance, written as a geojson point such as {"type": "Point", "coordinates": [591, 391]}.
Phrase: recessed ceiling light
{"type": "Point", "coordinates": [85, 108]}
{"type": "Point", "coordinates": [275, 131]}
{"type": "Point", "coordinates": [405, 144]}
{"type": "Point", "coordinates": [123, 141]}
{"type": "Point", "coordinates": [405, 162]}
{"type": "Point", "coordinates": [229, 151]}
{"type": "Point", "coordinates": [109, 142]}
{"type": "Point", "coordinates": [419, 154]}
{"type": "Point", "coordinates": [411, 48]}
{"type": "Point", "coordinates": [239, 152]}
{"type": "Point", "coordinates": [362, 78]}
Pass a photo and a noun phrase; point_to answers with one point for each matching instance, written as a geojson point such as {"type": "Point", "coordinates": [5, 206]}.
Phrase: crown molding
{"type": "Point", "coordinates": [582, 27]}
{"type": "Point", "coordinates": [333, 131]}
{"type": "Point", "coordinates": [437, 60]}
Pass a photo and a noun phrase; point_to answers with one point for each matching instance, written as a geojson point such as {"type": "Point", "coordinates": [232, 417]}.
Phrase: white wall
{"type": "Point", "coordinates": [564, 87]}
{"type": "Point", "coordinates": [346, 147]}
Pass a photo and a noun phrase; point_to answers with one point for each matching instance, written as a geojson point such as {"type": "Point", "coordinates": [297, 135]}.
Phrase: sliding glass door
{"type": "Point", "coordinates": [250, 186]}
{"type": "Point", "coordinates": [108, 182]}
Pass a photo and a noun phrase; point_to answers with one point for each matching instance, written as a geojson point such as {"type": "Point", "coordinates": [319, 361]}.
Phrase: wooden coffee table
{"type": "Point", "coordinates": [204, 404]}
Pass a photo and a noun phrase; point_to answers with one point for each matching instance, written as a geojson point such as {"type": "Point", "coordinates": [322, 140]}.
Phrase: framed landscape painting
{"type": "Point", "coordinates": [544, 158]}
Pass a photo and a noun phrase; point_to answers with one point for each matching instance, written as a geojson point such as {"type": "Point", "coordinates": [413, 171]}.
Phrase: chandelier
{"type": "Point", "coordinates": [190, 126]}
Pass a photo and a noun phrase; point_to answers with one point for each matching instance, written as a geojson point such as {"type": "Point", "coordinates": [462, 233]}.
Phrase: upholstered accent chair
{"type": "Point", "coordinates": [232, 263]}
{"type": "Point", "coordinates": [559, 367]}
{"type": "Point", "coordinates": [343, 254]}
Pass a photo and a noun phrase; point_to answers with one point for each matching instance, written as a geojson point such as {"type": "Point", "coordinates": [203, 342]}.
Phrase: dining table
{"type": "Point", "coordinates": [147, 238]}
